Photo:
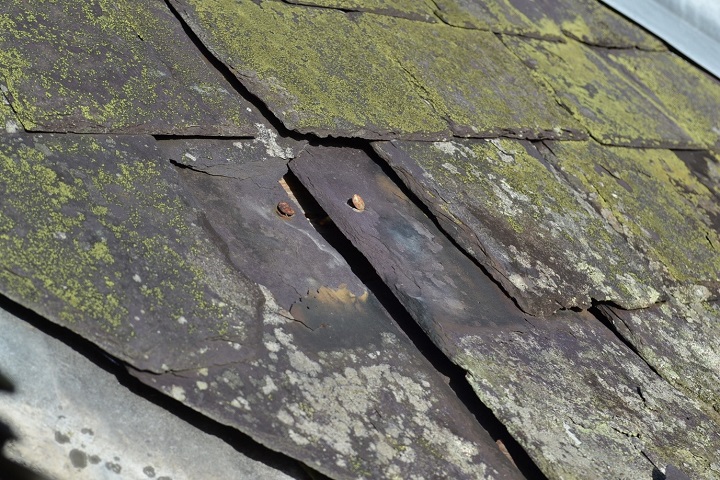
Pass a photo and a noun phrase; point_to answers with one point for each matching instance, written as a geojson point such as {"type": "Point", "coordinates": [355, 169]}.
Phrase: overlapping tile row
{"type": "Point", "coordinates": [330, 73]}
{"type": "Point", "coordinates": [159, 267]}
{"type": "Point", "coordinates": [112, 67]}
{"type": "Point", "coordinates": [532, 371]}
{"type": "Point", "coordinates": [584, 20]}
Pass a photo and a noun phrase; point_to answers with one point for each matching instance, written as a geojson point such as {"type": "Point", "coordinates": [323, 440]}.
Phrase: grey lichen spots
{"type": "Point", "coordinates": [582, 403]}
{"type": "Point", "coordinates": [112, 66]}
{"type": "Point", "coordinates": [511, 211]}
{"type": "Point", "coordinates": [8, 121]}
{"type": "Point", "coordinates": [96, 235]}
{"type": "Point", "coordinates": [614, 109]}
{"type": "Point", "coordinates": [680, 339]}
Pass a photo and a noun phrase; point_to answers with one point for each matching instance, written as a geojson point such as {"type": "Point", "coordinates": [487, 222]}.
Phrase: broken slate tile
{"type": "Point", "coordinates": [480, 87]}
{"type": "Point", "coordinates": [585, 20]}
{"type": "Point", "coordinates": [672, 229]}
{"type": "Point", "coordinates": [95, 235]}
{"type": "Point", "coordinates": [680, 339]}
{"type": "Point", "coordinates": [515, 214]}
{"type": "Point", "coordinates": [411, 9]}
{"type": "Point", "coordinates": [579, 401]}
{"type": "Point", "coordinates": [600, 96]}
{"type": "Point", "coordinates": [113, 67]}
{"type": "Point", "coordinates": [686, 94]}
{"type": "Point", "coordinates": [74, 420]}
{"type": "Point", "coordinates": [318, 70]}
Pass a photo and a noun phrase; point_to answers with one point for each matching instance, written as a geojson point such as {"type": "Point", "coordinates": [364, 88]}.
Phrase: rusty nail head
{"type": "Point", "coordinates": [357, 202]}
{"type": "Point", "coordinates": [285, 210]}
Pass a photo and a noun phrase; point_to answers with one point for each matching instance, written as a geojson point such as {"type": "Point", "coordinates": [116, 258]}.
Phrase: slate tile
{"type": "Point", "coordinates": [96, 236]}
{"type": "Point", "coordinates": [600, 96]}
{"type": "Point", "coordinates": [680, 339]}
{"type": "Point", "coordinates": [421, 10]}
{"type": "Point", "coordinates": [653, 199]}
{"type": "Point", "coordinates": [333, 382]}
{"type": "Point", "coordinates": [516, 215]}
{"type": "Point", "coordinates": [578, 400]}
{"type": "Point", "coordinates": [8, 120]}
{"type": "Point", "coordinates": [320, 71]}
{"type": "Point", "coordinates": [686, 94]}
{"type": "Point", "coordinates": [113, 67]}
{"type": "Point", "coordinates": [586, 20]}
{"type": "Point", "coordinates": [475, 81]}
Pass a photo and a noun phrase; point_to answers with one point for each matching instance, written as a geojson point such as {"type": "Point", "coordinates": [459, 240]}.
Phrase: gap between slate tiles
{"type": "Point", "coordinates": [239, 441]}
{"type": "Point", "coordinates": [455, 374]}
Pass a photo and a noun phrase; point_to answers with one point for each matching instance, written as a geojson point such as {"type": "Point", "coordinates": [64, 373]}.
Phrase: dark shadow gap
{"type": "Point", "coordinates": [241, 442]}
{"type": "Point", "coordinates": [362, 268]}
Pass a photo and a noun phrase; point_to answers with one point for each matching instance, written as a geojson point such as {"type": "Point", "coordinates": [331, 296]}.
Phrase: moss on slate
{"type": "Point", "coordinates": [600, 96]}
{"type": "Point", "coordinates": [93, 235]}
{"type": "Point", "coordinates": [412, 9]}
{"type": "Point", "coordinates": [654, 199]}
{"type": "Point", "coordinates": [111, 66]}
{"type": "Point", "coordinates": [318, 70]}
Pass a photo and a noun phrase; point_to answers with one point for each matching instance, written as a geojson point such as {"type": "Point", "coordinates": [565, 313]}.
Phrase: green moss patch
{"type": "Point", "coordinates": [412, 9]}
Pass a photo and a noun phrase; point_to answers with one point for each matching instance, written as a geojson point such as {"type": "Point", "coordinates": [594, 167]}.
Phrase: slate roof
{"type": "Point", "coordinates": [539, 226]}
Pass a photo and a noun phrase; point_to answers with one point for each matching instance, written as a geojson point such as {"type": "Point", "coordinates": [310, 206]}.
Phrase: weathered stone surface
{"type": "Point", "coordinates": [411, 9]}
{"type": "Point", "coordinates": [581, 403]}
{"type": "Point", "coordinates": [585, 20]}
{"type": "Point", "coordinates": [379, 76]}
{"type": "Point", "coordinates": [600, 96]}
{"type": "Point", "coordinates": [73, 420]}
{"type": "Point", "coordinates": [318, 70]}
{"type": "Point", "coordinates": [8, 120]}
{"type": "Point", "coordinates": [334, 382]}
{"type": "Point", "coordinates": [680, 340]}
{"type": "Point", "coordinates": [705, 166]}
{"type": "Point", "coordinates": [686, 94]}
{"type": "Point", "coordinates": [517, 216]}
{"type": "Point", "coordinates": [95, 235]}
{"type": "Point", "coordinates": [112, 66]}
{"type": "Point", "coordinates": [584, 405]}
{"type": "Point", "coordinates": [654, 200]}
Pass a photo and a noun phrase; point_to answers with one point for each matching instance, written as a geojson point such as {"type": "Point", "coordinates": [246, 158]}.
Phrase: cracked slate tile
{"type": "Point", "coordinates": [585, 20]}
{"type": "Point", "coordinates": [73, 420]}
{"type": "Point", "coordinates": [600, 95]}
{"type": "Point", "coordinates": [510, 210]}
{"type": "Point", "coordinates": [680, 339]}
{"type": "Point", "coordinates": [673, 229]}
{"type": "Point", "coordinates": [579, 401]}
{"type": "Point", "coordinates": [96, 235]}
{"type": "Point", "coordinates": [333, 382]}
{"type": "Point", "coordinates": [411, 9]}
{"type": "Point", "coordinates": [8, 120]}
{"type": "Point", "coordinates": [685, 93]}
{"type": "Point", "coordinates": [113, 67]}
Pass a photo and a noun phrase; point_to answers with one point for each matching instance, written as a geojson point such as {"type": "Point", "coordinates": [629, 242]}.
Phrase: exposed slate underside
{"type": "Point", "coordinates": [516, 175]}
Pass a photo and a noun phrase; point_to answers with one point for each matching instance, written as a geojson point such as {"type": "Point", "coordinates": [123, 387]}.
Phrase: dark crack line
{"type": "Point", "coordinates": [241, 442]}
{"type": "Point", "coordinates": [367, 274]}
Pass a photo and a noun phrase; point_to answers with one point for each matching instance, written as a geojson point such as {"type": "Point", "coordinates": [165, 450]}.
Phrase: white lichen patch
{"type": "Point", "coordinates": [268, 138]}
{"type": "Point", "coordinates": [178, 393]}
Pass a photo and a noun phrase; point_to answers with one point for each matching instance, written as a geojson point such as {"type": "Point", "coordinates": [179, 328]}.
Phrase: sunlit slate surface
{"type": "Point", "coordinates": [584, 20]}
{"type": "Point", "coordinates": [515, 214]}
{"type": "Point", "coordinates": [515, 362]}
{"type": "Point", "coordinates": [379, 77]}
{"type": "Point", "coordinates": [112, 67]}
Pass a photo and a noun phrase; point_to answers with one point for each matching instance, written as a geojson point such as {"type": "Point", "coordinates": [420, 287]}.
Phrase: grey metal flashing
{"type": "Point", "coordinates": [677, 23]}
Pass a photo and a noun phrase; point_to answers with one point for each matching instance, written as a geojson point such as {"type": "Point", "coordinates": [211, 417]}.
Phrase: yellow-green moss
{"type": "Point", "coordinates": [413, 9]}
{"type": "Point", "coordinates": [655, 199]}
{"type": "Point", "coordinates": [110, 66]}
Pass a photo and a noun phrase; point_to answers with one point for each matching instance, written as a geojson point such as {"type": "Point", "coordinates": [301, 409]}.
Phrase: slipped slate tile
{"type": "Point", "coordinates": [586, 20]}
{"type": "Point", "coordinates": [113, 67]}
{"type": "Point", "coordinates": [478, 84]}
{"type": "Point", "coordinates": [686, 94]}
{"type": "Point", "coordinates": [579, 401]}
{"type": "Point", "coordinates": [680, 340]}
{"type": "Point", "coordinates": [318, 70]}
{"type": "Point", "coordinates": [515, 214]}
{"type": "Point", "coordinates": [333, 382]}
{"type": "Point", "coordinates": [95, 235]}
{"type": "Point", "coordinates": [654, 200]}
{"type": "Point", "coordinates": [411, 9]}
{"type": "Point", "coordinates": [600, 95]}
